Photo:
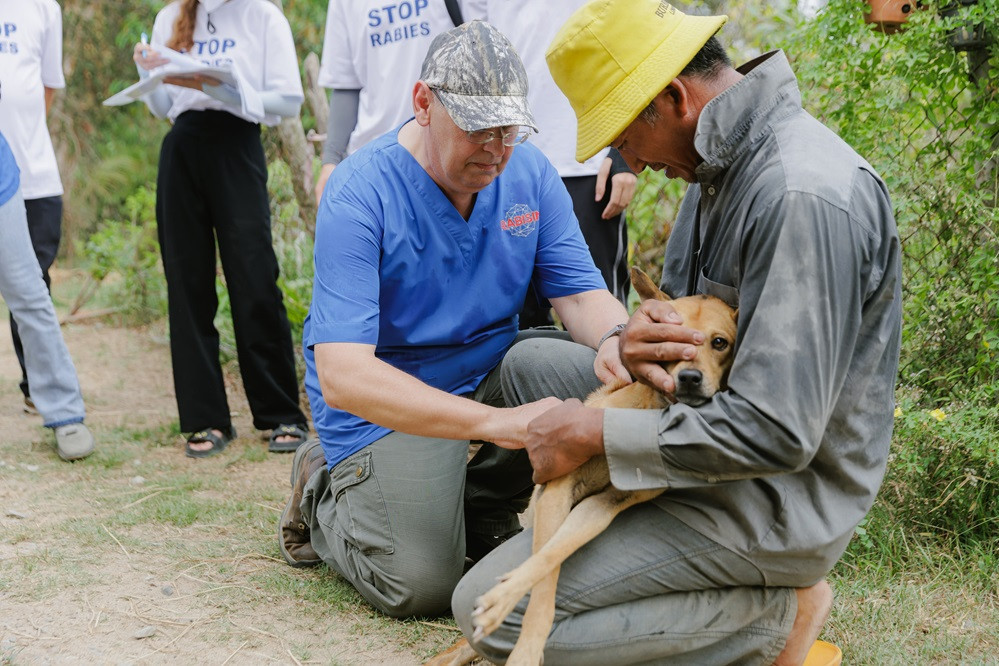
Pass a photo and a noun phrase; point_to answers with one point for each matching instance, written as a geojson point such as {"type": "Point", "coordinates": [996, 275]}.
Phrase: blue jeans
{"type": "Point", "coordinates": [45, 229]}
{"type": "Point", "coordinates": [55, 388]}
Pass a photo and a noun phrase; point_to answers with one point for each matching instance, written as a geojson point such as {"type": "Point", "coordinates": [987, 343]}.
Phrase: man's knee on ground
{"type": "Point", "coordinates": [425, 591]}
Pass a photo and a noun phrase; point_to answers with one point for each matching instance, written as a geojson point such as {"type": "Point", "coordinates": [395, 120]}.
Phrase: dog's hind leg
{"type": "Point", "coordinates": [586, 520]}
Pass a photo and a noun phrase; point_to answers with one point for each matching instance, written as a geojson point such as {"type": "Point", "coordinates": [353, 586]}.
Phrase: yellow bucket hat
{"type": "Point", "coordinates": [612, 57]}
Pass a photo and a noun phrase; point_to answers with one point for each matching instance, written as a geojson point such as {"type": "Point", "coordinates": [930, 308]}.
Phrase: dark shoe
{"type": "Point", "coordinates": [218, 443]}
{"type": "Point", "coordinates": [478, 546]}
{"type": "Point", "coordinates": [294, 538]}
{"type": "Point", "coordinates": [299, 431]}
{"type": "Point", "coordinates": [29, 406]}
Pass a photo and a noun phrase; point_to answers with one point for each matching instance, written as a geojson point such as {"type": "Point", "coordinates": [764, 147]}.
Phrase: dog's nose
{"type": "Point", "coordinates": [689, 379]}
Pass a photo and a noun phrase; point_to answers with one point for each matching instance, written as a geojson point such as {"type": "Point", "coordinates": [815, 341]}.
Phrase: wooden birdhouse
{"type": "Point", "coordinates": [889, 16]}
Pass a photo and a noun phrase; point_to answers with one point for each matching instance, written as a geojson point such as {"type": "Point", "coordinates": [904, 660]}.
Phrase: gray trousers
{"type": "Point", "coordinates": [392, 518]}
{"type": "Point", "coordinates": [649, 589]}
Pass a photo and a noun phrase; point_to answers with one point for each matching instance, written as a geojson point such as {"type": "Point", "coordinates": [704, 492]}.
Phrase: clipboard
{"type": "Point", "coordinates": [181, 65]}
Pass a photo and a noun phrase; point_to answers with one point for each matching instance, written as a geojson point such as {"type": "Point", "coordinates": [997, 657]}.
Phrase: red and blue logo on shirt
{"type": "Point", "coordinates": [520, 220]}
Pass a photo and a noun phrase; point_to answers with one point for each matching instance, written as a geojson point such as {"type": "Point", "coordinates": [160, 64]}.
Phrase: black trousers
{"type": "Point", "coordinates": [45, 228]}
{"type": "Point", "coordinates": [608, 243]}
{"type": "Point", "coordinates": [212, 186]}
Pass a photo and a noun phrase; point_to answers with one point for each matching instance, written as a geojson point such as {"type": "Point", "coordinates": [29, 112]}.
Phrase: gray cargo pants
{"type": "Point", "coordinates": [391, 519]}
{"type": "Point", "coordinates": [649, 589]}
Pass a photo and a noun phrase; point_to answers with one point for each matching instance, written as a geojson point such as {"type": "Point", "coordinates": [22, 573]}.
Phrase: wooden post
{"type": "Point", "coordinates": [299, 154]}
{"type": "Point", "coordinates": [315, 95]}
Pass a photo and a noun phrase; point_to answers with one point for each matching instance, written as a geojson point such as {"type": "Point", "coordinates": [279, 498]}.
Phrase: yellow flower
{"type": "Point", "coordinates": [938, 414]}
{"type": "Point", "coordinates": [898, 412]}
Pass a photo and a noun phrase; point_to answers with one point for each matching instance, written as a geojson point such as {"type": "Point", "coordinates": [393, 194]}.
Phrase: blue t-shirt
{"type": "Point", "coordinates": [10, 175]}
{"type": "Point", "coordinates": [396, 266]}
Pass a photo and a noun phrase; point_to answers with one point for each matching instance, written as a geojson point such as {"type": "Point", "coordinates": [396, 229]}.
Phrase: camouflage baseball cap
{"type": "Point", "coordinates": [478, 76]}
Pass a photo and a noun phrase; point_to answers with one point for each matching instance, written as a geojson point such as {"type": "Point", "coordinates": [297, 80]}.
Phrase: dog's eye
{"type": "Point", "coordinates": [719, 344]}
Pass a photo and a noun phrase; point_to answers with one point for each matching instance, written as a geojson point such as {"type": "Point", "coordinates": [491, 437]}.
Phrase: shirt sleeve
{"type": "Point", "coordinates": [51, 66]}
{"type": "Point", "coordinates": [162, 29]}
{"type": "Point", "coordinates": [345, 292]}
{"type": "Point", "coordinates": [281, 73]}
{"type": "Point", "coordinates": [800, 307]}
{"type": "Point", "coordinates": [336, 67]}
{"type": "Point", "coordinates": [618, 165]}
{"type": "Point", "coordinates": [563, 265]}
{"type": "Point", "coordinates": [342, 121]}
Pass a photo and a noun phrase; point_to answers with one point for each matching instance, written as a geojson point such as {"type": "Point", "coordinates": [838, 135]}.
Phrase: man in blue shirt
{"type": "Point", "coordinates": [427, 240]}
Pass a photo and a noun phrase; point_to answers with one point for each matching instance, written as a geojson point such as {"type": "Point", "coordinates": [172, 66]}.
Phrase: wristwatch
{"type": "Point", "coordinates": [610, 334]}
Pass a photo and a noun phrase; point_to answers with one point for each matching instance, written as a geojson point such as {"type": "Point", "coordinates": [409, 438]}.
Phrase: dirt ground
{"type": "Point", "coordinates": [83, 582]}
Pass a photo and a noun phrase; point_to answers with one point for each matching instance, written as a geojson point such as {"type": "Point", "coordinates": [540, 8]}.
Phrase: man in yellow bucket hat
{"type": "Point", "coordinates": [767, 481]}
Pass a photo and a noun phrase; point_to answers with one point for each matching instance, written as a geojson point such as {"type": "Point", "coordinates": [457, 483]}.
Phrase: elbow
{"type": "Point", "coordinates": [797, 455]}
{"type": "Point", "coordinates": [334, 395]}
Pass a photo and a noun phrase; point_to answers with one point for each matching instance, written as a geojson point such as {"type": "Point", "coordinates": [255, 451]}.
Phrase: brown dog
{"type": "Point", "coordinates": [571, 510]}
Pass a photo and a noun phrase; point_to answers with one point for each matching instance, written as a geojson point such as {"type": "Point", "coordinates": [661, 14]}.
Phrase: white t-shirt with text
{"type": "Point", "coordinates": [377, 47]}
{"type": "Point", "coordinates": [30, 62]}
{"type": "Point", "coordinates": [252, 36]}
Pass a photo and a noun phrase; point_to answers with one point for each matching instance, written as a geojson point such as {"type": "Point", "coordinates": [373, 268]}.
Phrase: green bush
{"type": "Point", "coordinates": [123, 257]}
{"type": "Point", "coordinates": [292, 245]}
{"type": "Point", "coordinates": [944, 472]}
{"type": "Point", "coordinates": [926, 117]}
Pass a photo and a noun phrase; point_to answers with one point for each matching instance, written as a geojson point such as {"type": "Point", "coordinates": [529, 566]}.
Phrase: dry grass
{"type": "Point", "coordinates": [94, 553]}
{"type": "Point", "coordinates": [92, 556]}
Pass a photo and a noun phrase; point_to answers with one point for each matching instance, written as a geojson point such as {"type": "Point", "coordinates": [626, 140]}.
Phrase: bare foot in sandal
{"type": "Point", "coordinates": [287, 438]}
{"type": "Point", "coordinates": [205, 443]}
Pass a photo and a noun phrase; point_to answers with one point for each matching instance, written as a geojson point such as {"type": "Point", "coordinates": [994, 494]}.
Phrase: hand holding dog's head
{"type": "Point", "coordinates": [681, 347]}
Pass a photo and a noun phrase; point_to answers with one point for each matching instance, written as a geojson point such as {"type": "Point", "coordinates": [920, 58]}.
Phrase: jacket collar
{"type": "Point", "coordinates": [733, 121]}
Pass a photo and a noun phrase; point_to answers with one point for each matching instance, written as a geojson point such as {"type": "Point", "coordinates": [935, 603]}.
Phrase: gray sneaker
{"type": "Point", "coordinates": [74, 441]}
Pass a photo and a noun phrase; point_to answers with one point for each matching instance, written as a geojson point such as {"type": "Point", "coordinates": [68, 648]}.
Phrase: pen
{"type": "Point", "coordinates": [145, 40]}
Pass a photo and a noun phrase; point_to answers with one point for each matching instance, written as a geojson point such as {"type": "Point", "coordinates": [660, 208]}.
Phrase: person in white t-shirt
{"type": "Point", "coordinates": [212, 185]}
{"type": "Point", "coordinates": [531, 26]}
{"type": "Point", "coordinates": [372, 53]}
{"type": "Point", "coordinates": [30, 73]}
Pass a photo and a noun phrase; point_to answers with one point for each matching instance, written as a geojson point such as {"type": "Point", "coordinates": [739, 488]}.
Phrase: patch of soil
{"type": "Point", "coordinates": [74, 591]}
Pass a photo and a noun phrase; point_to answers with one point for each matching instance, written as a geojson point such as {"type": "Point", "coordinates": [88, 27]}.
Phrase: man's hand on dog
{"type": "Point", "coordinates": [563, 438]}
{"type": "Point", "coordinates": [608, 366]}
{"type": "Point", "coordinates": [509, 429]}
{"type": "Point", "coordinates": [655, 334]}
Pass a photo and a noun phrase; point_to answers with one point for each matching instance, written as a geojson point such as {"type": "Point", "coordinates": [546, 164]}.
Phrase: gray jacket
{"type": "Point", "coordinates": [789, 224]}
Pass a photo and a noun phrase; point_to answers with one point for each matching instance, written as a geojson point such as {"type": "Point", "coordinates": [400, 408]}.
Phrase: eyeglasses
{"type": "Point", "coordinates": [514, 136]}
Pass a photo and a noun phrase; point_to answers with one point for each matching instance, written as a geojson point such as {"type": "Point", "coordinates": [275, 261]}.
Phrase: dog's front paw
{"type": "Point", "coordinates": [493, 607]}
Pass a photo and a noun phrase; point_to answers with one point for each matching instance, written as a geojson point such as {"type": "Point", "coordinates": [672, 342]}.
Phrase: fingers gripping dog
{"type": "Point", "coordinates": [571, 510]}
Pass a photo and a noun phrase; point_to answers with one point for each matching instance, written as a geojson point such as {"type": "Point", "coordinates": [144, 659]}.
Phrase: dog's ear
{"type": "Point", "coordinates": [645, 287]}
